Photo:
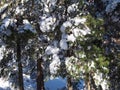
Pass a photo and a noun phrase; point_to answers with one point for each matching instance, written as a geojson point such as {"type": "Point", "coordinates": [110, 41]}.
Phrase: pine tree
{"type": "Point", "coordinates": [15, 33]}
{"type": "Point", "coordinates": [68, 33]}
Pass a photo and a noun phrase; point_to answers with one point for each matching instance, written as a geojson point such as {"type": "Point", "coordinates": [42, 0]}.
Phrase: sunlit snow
{"type": "Point", "coordinates": [4, 85]}
{"type": "Point", "coordinates": [71, 37]}
{"type": "Point", "coordinates": [55, 64]}
{"type": "Point", "coordinates": [1, 52]}
{"type": "Point", "coordinates": [79, 20]}
{"type": "Point", "coordinates": [65, 25]}
{"type": "Point", "coordinates": [51, 50]}
{"type": "Point", "coordinates": [47, 24]}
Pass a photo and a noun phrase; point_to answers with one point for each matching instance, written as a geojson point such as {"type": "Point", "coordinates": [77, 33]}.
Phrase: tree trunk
{"type": "Point", "coordinates": [69, 83]}
{"type": "Point", "coordinates": [40, 76]}
{"type": "Point", "coordinates": [20, 71]}
{"type": "Point", "coordinates": [88, 81]}
{"type": "Point", "coordinates": [88, 85]}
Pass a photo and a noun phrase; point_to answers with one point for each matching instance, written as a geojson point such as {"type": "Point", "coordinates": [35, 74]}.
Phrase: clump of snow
{"type": "Point", "coordinates": [55, 64]}
{"type": "Point", "coordinates": [4, 26]}
{"type": "Point", "coordinates": [3, 8]}
{"type": "Point", "coordinates": [72, 65]}
{"type": "Point", "coordinates": [48, 5]}
{"type": "Point", "coordinates": [71, 37]}
{"type": "Point", "coordinates": [65, 25]}
{"type": "Point", "coordinates": [46, 8]}
{"type": "Point", "coordinates": [72, 8]}
{"type": "Point", "coordinates": [19, 10]}
{"type": "Point", "coordinates": [4, 85]}
{"type": "Point", "coordinates": [51, 50]}
{"type": "Point", "coordinates": [28, 26]}
{"type": "Point", "coordinates": [63, 44]}
{"type": "Point", "coordinates": [79, 20]}
{"type": "Point", "coordinates": [85, 31]}
{"type": "Point", "coordinates": [6, 22]}
{"type": "Point", "coordinates": [100, 81]}
{"type": "Point", "coordinates": [1, 52]}
{"type": "Point", "coordinates": [76, 32]}
{"type": "Point", "coordinates": [47, 24]}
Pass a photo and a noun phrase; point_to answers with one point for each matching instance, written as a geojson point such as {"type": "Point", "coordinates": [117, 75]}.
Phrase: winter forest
{"type": "Point", "coordinates": [59, 45]}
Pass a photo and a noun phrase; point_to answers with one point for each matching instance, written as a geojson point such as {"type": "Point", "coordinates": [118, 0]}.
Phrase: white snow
{"type": "Point", "coordinates": [3, 7]}
{"type": "Point", "coordinates": [1, 52]}
{"type": "Point", "coordinates": [55, 64]}
{"type": "Point", "coordinates": [19, 10]}
{"type": "Point", "coordinates": [6, 22]}
{"type": "Point", "coordinates": [99, 80]}
{"type": "Point", "coordinates": [85, 31]}
{"type": "Point", "coordinates": [71, 37]}
{"type": "Point", "coordinates": [4, 85]}
{"type": "Point", "coordinates": [47, 24]}
{"type": "Point", "coordinates": [72, 8]}
{"type": "Point", "coordinates": [76, 32]}
{"type": "Point", "coordinates": [79, 20]}
{"type": "Point", "coordinates": [28, 26]}
{"type": "Point", "coordinates": [65, 25]}
{"type": "Point", "coordinates": [63, 44]}
{"type": "Point", "coordinates": [51, 50]}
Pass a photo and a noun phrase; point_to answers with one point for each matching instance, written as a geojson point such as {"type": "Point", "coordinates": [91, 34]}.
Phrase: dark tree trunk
{"type": "Point", "coordinates": [20, 71]}
{"type": "Point", "coordinates": [69, 83]}
{"type": "Point", "coordinates": [40, 76]}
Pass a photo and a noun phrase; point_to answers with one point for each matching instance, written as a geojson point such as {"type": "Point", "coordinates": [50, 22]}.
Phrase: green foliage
{"type": "Point", "coordinates": [96, 26]}
{"type": "Point", "coordinates": [92, 49]}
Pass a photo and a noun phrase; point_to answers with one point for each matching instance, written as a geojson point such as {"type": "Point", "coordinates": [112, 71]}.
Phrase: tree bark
{"type": "Point", "coordinates": [40, 76]}
{"type": "Point", "coordinates": [69, 83]}
{"type": "Point", "coordinates": [88, 81]}
{"type": "Point", "coordinates": [88, 85]}
{"type": "Point", "coordinates": [20, 71]}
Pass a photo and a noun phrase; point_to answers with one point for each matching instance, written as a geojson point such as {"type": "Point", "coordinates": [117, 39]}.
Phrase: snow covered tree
{"type": "Point", "coordinates": [15, 31]}
{"type": "Point", "coordinates": [68, 33]}
{"type": "Point", "coordinates": [109, 11]}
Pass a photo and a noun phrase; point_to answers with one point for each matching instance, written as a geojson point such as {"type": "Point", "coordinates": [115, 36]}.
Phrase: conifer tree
{"type": "Point", "coordinates": [15, 32]}
{"type": "Point", "coordinates": [68, 33]}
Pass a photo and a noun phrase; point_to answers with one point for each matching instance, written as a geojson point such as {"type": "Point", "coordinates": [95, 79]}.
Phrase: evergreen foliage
{"type": "Point", "coordinates": [74, 39]}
